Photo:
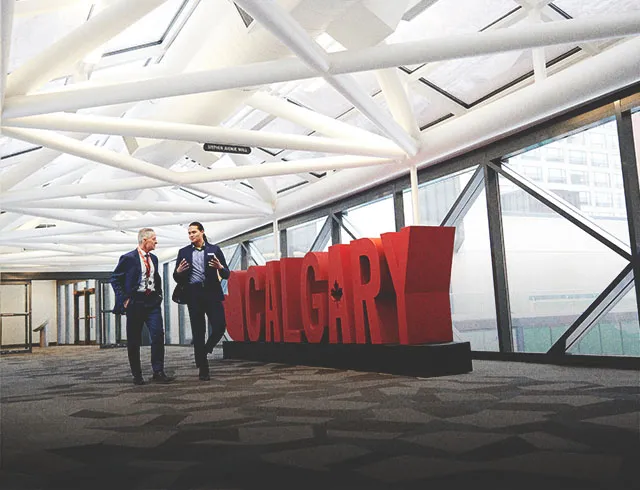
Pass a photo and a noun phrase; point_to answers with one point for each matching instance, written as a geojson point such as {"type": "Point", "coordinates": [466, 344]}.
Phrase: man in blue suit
{"type": "Point", "coordinates": [199, 268]}
{"type": "Point", "coordinates": [138, 290]}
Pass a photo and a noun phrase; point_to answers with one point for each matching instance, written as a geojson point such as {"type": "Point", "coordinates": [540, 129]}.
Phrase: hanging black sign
{"type": "Point", "coordinates": [244, 150]}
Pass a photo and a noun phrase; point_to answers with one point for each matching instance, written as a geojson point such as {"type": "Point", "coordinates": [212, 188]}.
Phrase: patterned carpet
{"type": "Point", "coordinates": [72, 419]}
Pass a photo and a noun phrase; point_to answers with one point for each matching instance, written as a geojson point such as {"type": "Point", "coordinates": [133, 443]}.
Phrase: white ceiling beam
{"type": "Point", "coordinates": [64, 53]}
{"type": "Point", "coordinates": [126, 162]}
{"type": "Point", "coordinates": [315, 121]}
{"type": "Point", "coordinates": [202, 134]}
{"type": "Point", "coordinates": [77, 218]}
{"type": "Point", "coordinates": [286, 168]}
{"type": "Point", "coordinates": [44, 260]}
{"type": "Point", "coordinates": [260, 186]}
{"type": "Point", "coordinates": [142, 206]}
{"type": "Point", "coordinates": [16, 236]}
{"type": "Point", "coordinates": [114, 239]}
{"type": "Point", "coordinates": [282, 25]}
{"type": "Point", "coordinates": [218, 190]}
{"type": "Point", "coordinates": [377, 57]}
{"type": "Point", "coordinates": [90, 152]}
{"type": "Point", "coordinates": [30, 256]}
{"type": "Point", "coordinates": [7, 9]}
{"type": "Point", "coordinates": [395, 93]}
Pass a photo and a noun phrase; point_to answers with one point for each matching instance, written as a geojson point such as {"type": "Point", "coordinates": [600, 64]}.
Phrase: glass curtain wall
{"type": "Point", "coordinates": [560, 259]}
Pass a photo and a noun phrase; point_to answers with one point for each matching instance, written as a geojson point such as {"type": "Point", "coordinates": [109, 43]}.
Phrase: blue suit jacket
{"type": "Point", "coordinates": [125, 279]}
{"type": "Point", "coordinates": [211, 281]}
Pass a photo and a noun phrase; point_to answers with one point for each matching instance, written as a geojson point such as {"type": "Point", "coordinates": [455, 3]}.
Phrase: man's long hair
{"type": "Point", "coordinates": [198, 225]}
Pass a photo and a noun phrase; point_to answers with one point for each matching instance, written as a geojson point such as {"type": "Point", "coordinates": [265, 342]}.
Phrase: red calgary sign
{"type": "Point", "coordinates": [388, 290]}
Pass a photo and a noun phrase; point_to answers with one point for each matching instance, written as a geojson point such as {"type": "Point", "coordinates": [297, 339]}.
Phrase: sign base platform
{"type": "Point", "coordinates": [424, 360]}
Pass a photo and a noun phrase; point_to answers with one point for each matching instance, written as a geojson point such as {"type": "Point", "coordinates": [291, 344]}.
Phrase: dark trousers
{"type": "Point", "coordinates": [201, 303]}
{"type": "Point", "coordinates": [140, 310]}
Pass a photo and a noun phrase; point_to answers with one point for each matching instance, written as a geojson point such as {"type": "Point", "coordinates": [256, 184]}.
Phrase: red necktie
{"type": "Point", "coordinates": [147, 265]}
{"type": "Point", "coordinates": [148, 272]}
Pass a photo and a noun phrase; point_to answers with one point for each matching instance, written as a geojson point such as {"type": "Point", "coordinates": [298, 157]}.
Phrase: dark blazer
{"type": "Point", "coordinates": [125, 279]}
{"type": "Point", "coordinates": [211, 281]}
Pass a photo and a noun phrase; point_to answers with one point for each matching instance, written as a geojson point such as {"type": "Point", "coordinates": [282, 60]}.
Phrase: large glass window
{"type": "Point", "coordinates": [435, 198]}
{"type": "Point", "coordinates": [263, 250]}
{"type": "Point", "coordinates": [616, 334]}
{"type": "Point", "coordinates": [371, 219]}
{"type": "Point", "coordinates": [556, 270]}
{"type": "Point", "coordinates": [472, 299]}
{"type": "Point", "coordinates": [301, 237]}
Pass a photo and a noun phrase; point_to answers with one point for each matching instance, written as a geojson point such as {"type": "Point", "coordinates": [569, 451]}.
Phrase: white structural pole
{"type": "Point", "coordinates": [538, 56]}
{"type": "Point", "coordinates": [276, 239]}
{"type": "Point", "coordinates": [7, 8]}
{"type": "Point", "coordinates": [280, 22]}
{"type": "Point", "coordinates": [202, 134]}
{"type": "Point", "coordinates": [395, 93]}
{"type": "Point", "coordinates": [313, 120]}
{"type": "Point", "coordinates": [415, 202]}
{"type": "Point", "coordinates": [373, 58]}
{"type": "Point", "coordinates": [142, 206]}
{"type": "Point", "coordinates": [261, 186]}
{"type": "Point", "coordinates": [64, 53]}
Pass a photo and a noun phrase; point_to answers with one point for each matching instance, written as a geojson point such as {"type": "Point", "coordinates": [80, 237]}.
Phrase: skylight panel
{"type": "Point", "coordinates": [446, 17]}
{"type": "Point", "coordinates": [316, 94]}
{"type": "Point", "coordinates": [427, 110]}
{"type": "Point", "coordinates": [148, 30]}
{"type": "Point", "coordinates": [472, 79]}
{"type": "Point", "coordinates": [284, 183]}
{"type": "Point", "coordinates": [10, 147]}
{"type": "Point", "coordinates": [587, 8]}
{"type": "Point", "coordinates": [449, 17]}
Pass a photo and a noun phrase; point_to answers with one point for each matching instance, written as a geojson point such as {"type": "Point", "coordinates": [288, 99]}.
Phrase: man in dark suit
{"type": "Point", "coordinates": [199, 269]}
{"type": "Point", "coordinates": [138, 290]}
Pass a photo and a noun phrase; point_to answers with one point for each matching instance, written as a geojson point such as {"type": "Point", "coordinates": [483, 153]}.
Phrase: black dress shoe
{"type": "Point", "coordinates": [138, 380]}
{"type": "Point", "coordinates": [161, 377]}
{"type": "Point", "coordinates": [204, 375]}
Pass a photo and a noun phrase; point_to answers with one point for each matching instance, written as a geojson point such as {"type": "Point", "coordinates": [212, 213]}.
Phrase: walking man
{"type": "Point", "coordinates": [199, 267]}
{"type": "Point", "coordinates": [138, 290]}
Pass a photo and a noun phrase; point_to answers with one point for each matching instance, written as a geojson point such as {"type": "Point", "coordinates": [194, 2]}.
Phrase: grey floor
{"type": "Point", "coordinates": [71, 419]}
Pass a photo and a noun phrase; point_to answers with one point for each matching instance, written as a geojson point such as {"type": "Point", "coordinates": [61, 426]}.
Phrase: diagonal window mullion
{"type": "Point", "coordinates": [611, 295]}
{"type": "Point", "coordinates": [323, 237]}
{"type": "Point", "coordinates": [564, 209]}
{"type": "Point", "coordinates": [349, 227]}
{"type": "Point", "coordinates": [466, 199]}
